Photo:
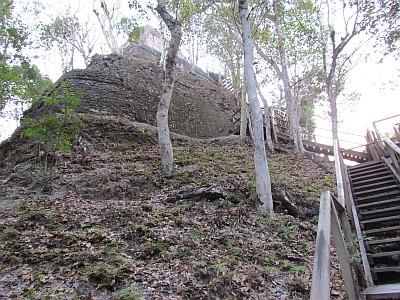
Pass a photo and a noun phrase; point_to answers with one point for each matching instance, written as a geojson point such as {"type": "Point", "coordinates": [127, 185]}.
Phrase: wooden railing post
{"type": "Point", "coordinates": [339, 173]}
{"type": "Point", "coordinates": [273, 127]}
{"type": "Point", "coordinates": [391, 147]}
{"type": "Point", "coordinates": [320, 288]}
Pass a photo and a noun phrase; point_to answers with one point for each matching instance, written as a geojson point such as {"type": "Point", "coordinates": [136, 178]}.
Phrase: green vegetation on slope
{"type": "Point", "coordinates": [112, 227]}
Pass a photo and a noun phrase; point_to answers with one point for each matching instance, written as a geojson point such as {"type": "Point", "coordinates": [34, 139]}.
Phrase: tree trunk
{"type": "Point", "coordinates": [297, 124]}
{"type": "Point", "coordinates": [291, 106]}
{"type": "Point", "coordinates": [108, 34]}
{"type": "Point", "coordinates": [332, 101]}
{"type": "Point", "coordinates": [243, 113]}
{"type": "Point", "coordinates": [168, 86]}
{"type": "Point", "coordinates": [162, 56]}
{"type": "Point", "coordinates": [263, 180]}
{"type": "Point", "coordinates": [267, 119]}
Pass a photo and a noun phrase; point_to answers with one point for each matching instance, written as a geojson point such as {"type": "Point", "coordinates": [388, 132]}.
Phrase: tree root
{"type": "Point", "coordinates": [216, 192]}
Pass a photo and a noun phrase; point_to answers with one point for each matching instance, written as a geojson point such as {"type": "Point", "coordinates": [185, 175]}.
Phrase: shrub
{"type": "Point", "coordinates": [55, 130]}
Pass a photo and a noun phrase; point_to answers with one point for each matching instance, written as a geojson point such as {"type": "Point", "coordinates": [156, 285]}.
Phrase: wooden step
{"type": "Point", "coordinates": [383, 291]}
{"type": "Point", "coordinates": [382, 210]}
{"type": "Point", "coordinates": [383, 241]}
{"type": "Point", "coordinates": [372, 180]}
{"type": "Point", "coordinates": [377, 196]}
{"type": "Point", "coordinates": [369, 167]}
{"type": "Point", "coordinates": [376, 184]}
{"type": "Point", "coordinates": [377, 203]}
{"type": "Point", "coordinates": [382, 229]}
{"type": "Point", "coordinates": [385, 254]}
{"type": "Point", "coordinates": [369, 171]}
{"type": "Point", "coordinates": [366, 164]}
{"type": "Point", "coordinates": [386, 269]}
{"type": "Point", "coordinates": [383, 188]}
{"type": "Point", "coordinates": [383, 219]}
{"type": "Point", "coordinates": [370, 176]}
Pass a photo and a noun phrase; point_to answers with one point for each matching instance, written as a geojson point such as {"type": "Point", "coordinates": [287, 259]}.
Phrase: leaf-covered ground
{"type": "Point", "coordinates": [109, 225]}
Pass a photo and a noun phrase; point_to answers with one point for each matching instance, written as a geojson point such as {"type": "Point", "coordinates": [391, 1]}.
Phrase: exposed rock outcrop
{"type": "Point", "coordinates": [130, 86]}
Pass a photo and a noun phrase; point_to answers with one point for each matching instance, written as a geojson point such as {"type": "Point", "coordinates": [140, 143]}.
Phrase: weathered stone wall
{"type": "Point", "coordinates": [131, 85]}
{"type": "Point", "coordinates": [152, 38]}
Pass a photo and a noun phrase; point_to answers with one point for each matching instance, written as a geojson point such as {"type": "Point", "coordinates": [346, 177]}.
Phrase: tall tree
{"type": "Point", "coordinates": [285, 39]}
{"type": "Point", "coordinates": [224, 42]}
{"type": "Point", "coordinates": [384, 22]}
{"type": "Point", "coordinates": [175, 29]}
{"type": "Point", "coordinates": [292, 110]}
{"type": "Point", "coordinates": [337, 51]}
{"type": "Point", "coordinates": [68, 34]}
{"type": "Point", "coordinates": [263, 180]}
{"type": "Point", "coordinates": [20, 81]}
{"type": "Point", "coordinates": [183, 12]}
{"type": "Point", "coordinates": [112, 23]}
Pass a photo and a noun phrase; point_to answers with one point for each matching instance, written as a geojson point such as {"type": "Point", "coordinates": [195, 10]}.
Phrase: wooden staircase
{"type": "Point", "coordinates": [376, 195]}
{"type": "Point", "coordinates": [368, 195]}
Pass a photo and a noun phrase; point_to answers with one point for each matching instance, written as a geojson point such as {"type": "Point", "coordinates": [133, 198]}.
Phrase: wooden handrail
{"type": "Point", "coordinates": [332, 219]}
{"type": "Point", "coordinates": [339, 172]}
{"type": "Point", "coordinates": [320, 287]}
{"type": "Point", "coordinates": [388, 141]}
{"type": "Point", "coordinates": [392, 149]}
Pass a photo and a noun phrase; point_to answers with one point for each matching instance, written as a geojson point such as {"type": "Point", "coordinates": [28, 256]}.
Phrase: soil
{"type": "Point", "coordinates": [105, 224]}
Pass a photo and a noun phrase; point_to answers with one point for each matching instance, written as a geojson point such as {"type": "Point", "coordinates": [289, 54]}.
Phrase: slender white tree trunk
{"type": "Point", "coordinates": [243, 113]}
{"type": "Point", "coordinates": [168, 86]}
{"type": "Point", "coordinates": [263, 180]}
{"type": "Point", "coordinates": [162, 56]}
{"type": "Point", "coordinates": [267, 119]}
{"type": "Point", "coordinates": [106, 20]}
{"type": "Point", "coordinates": [164, 138]}
{"type": "Point", "coordinates": [332, 101]}
{"type": "Point", "coordinates": [291, 106]}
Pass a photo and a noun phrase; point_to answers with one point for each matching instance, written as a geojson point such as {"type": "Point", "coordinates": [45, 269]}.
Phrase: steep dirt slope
{"type": "Point", "coordinates": [111, 227]}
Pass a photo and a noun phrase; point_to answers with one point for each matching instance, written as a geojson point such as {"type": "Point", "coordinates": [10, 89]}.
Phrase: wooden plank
{"type": "Point", "coordinates": [383, 188]}
{"type": "Point", "coordinates": [388, 142]}
{"type": "Point", "coordinates": [362, 165]}
{"type": "Point", "coordinates": [397, 132]}
{"type": "Point", "coordinates": [386, 269]}
{"type": "Point", "coordinates": [383, 202]}
{"type": "Point", "coordinates": [385, 254]}
{"type": "Point", "coordinates": [369, 171]}
{"type": "Point", "coordinates": [320, 286]}
{"type": "Point", "coordinates": [382, 210]}
{"type": "Point", "coordinates": [372, 147]}
{"type": "Point", "coordinates": [384, 241]}
{"type": "Point", "coordinates": [343, 255]}
{"type": "Point", "coordinates": [339, 173]}
{"type": "Point", "coordinates": [367, 165]}
{"type": "Point", "coordinates": [347, 199]}
{"type": "Point", "coordinates": [361, 172]}
{"type": "Point", "coordinates": [375, 184]}
{"type": "Point", "coordinates": [393, 157]}
{"type": "Point", "coordinates": [273, 128]}
{"type": "Point", "coordinates": [388, 194]}
{"type": "Point", "coordinates": [383, 229]}
{"type": "Point", "coordinates": [396, 174]}
{"type": "Point", "coordinates": [368, 181]}
{"type": "Point", "coordinates": [382, 290]}
{"type": "Point", "coordinates": [391, 218]}
{"type": "Point", "coordinates": [374, 175]}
